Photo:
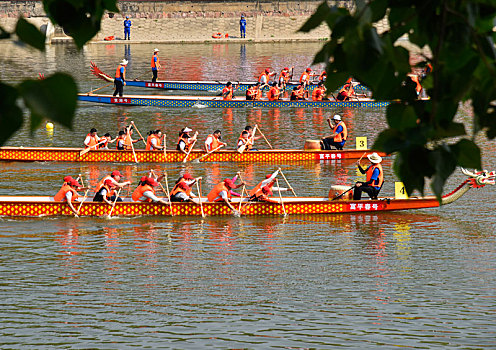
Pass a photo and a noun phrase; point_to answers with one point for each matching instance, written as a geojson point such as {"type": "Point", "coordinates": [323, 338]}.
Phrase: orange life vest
{"type": "Point", "coordinates": [110, 192]}
{"type": "Point", "coordinates": [267, 77]}
{"type": "Point", "coordinates": [187, 145]}
{"type": "Point", "coordinates": [273, 93]}
{"type": "Point", "coordinates": [149, 144]}
{"type": "Point", "coordinates": [305, 77]}
{"type": "Point", "coordinates": [322, 76]}
{"type": "Point", "coordinates": [60, 196]}
{"type": "Point", "coordinates": [248, 143]}
{"type": "Point", "coordinates": [104, 144]}
{"type": "Point", "coordinates": [258, 188]}
{"type": "Point", "coordinates": [253, 92]}
{"type": "Point", "coordinates": [128, 141]}
{"type": "Point", "coordinates": [317, 94]}
{"type": "Point", "coordinates": [342, 136]}
{"type": "Point", "coordinates": [177, 189]}
{"type": "Point", "coordinates": [138, 193]}
{"type": "Point", "coordinates": [218, 189]}
{"type": "Point", "coordinates": [415, 79]}
{"type": "Point", "coordinates": [99, 185]}
{"type": "Point", "coordinates": [93, 141]}
{"type": "Point", "coordinates": [118, 73]}
{"type": "Point", "coordinates": [153, 64]}
{"type": "Point", "coordinates": [122, 137]}
{"type": "Point", "coordinates": [376, 183]}
{"type": "Point", "coordinates": [227, 93]}
{"type": "Point", "coordinates": [215, 142]}
{"type": "Point", "coordinates": [284, 77]}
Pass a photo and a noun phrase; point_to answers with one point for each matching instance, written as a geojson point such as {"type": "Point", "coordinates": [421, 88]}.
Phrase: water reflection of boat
{"type": "Point", "coordinates": [30, 154]}
{"type": "Point", "coordinates": [218, 102]}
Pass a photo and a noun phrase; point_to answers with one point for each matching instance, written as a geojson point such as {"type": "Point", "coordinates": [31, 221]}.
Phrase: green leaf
{"type": "Point", "coordinates": [444, 163]}
{"type": "Point", "coordinates": [53, 98]}
{"type": "Point", "coordinates": [401, 117]}
{"type": "Point", "coordinates": [317, 18]}
{"type": "Point", "coordinates": [10, 114]}
{"type": "Point", "coordinates": [378, 8]}
{"type": "Point", "coordinates": [29, 34]}
{"type": "Point", "coordinates": [468, 154]}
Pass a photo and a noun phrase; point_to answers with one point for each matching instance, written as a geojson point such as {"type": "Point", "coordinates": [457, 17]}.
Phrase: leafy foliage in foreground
{"type": "Point", "coordinates": [423, 133]}
{"type": "Point", "coordinates": [55, 97]}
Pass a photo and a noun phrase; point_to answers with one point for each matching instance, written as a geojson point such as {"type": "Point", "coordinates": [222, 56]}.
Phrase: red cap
{"type": "Point", "coordinates": [309, 69]}
{"type": "Point", "coordinates": [151, 182]}
{"type": "Point", "coordinates": [266, 190]}
{"type": "Point", "coordinates": [229, 183]}
{"type": "Point", "coordinates": [143, 179]}
{"type": "Point", "coordinates": [75, 183]}
{"type": "Point", "coordinates": [268, 176]}
{"type": "Point", "coordinates": [68, 178]}
{"type": "Point", "coordinates": [187, 176]}
{"type": "Point", "coordinates": [109, 182]}
{"type": "Point", "coordinates": [116, 173]}
{"type": "Point", "coordinates": [267, 70]}
{"type": "Point", "coordinates": [349, 80]}
{"type": "Point", "coordinates": [286, 68]}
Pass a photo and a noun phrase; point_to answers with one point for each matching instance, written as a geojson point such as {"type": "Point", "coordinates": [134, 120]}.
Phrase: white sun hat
{"type": "Point", "coordinates": [337, 117]}
{"type": "Point", "coordinates": [374, 158]}
{"type": "Point", "coordinates": [124, 62]}
{"type": "Point", "coordinates": [186, 129]}
{"type": "Point", "coordinates": [156, 50]}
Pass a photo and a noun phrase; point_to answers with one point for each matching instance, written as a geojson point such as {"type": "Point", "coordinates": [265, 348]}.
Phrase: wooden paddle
{"type": "Point", "coordinates": [132, 146]}
{"type": "Point", "coordinates": [287, 182]}
{"type": "Point", "coordinates": [243, 190]}
{"type": "Point", "coordinates": [165, 147]}
{"type": "Point", "coordinates": [243, 147]}
{"type": "Point", "coordinates": [92, 91]}
{"type": "Point", "coordinates": [113, 204]}
{"type": "Point", "coordinates": [197, 160]}
{"type": "Point", "coordinates": [86, 150]}
{"type": "Point", "coordinates": [342, 194]}
{"type": "Point", "coordinates": [193, 145]}
{"type": "Point", "coordinates": [81, 204]}
{"type": "Point", "coordinates": [168, 194]}
{"type": "Point", "coordinates": [280, 197]}
{"type": "Point", "coordinates": [200, 198]}
{"type": "Point", "coordinates": [142, 138]}
{"type": "Point", "coordinates": [261, 133]}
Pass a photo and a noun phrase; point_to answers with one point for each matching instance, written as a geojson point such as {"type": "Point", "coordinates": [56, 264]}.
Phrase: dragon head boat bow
{"type": "Point", "coordinates": [24, 206]}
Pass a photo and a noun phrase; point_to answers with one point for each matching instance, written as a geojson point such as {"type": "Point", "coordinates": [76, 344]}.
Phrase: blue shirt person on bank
{"type": "Point", "coordinates": [242, 26]}
{"type": "Point", "coordinates": [127, 28]}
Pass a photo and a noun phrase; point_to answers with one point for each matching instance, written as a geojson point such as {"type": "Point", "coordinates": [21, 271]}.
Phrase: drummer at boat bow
{"type": "Point", "coordinates": [68, 193]}
{"type": "Point", "coordinates": [222, 192]}
{"type": "Point", "coordinates": [120, 78]}
{"type": "Point", "coordinates": [374, 179]}
{"type": "Point", "coordinates": [213, 141]}
{"type": "Point", "coordinates": [155, 64]}
{"type": "Point", "coordinates": [91, 140]}
{"type": "Point", "coordinates": [185, 142]}
{"type": "Point", "coordinates": [154, 141]}
{"type": "Point", "coordinates": [145, 192]}
{"type": "Point", "coordinates": [339, 134]}
{"type": "Point", "coordinates": [183, 189]}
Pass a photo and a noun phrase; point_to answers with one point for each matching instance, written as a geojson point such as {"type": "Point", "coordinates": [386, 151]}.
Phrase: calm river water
{"type": "Point", "coordinates": [419, 279]}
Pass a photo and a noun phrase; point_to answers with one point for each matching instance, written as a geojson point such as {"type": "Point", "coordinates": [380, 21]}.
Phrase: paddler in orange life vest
{"type": "Point", "coordinates": [228, 91]}
{"type": "Point", "coordinates": [222, 192]}
{"type": "Point", "coordinates": [264, 78]}
{"type": "Point", "coordinates": [114, 177]}
{"type": "Point", "coordinates": [305, 78]}
{"type": "Point", "coordinates": [323, 76]}
{"type": "Point", "coordinates": [257, 192]}
{"type": "Point", "coordinates": [145, 192]}
{"type": "Point", "coordinates": [154, 141]}
{"type": "Point", "coordinates": [213, 141]}
{"type": "Point", "coordinates": [106, 193]}
{"type": "Point", "coordinates": [105, 140]}
{"type": "Point", "coordinates": [319, 92]}
{"type": "Point", "coordinates": [68, 193]}
{"type": "Point", "coordinates": [285, 77]}
{"type": "Point", "coordinates": [246, 138]}
{"type": "Point", "coordinates": [128, 140]}
{"type": "Point", "coordinates": [374, 179]}
{"type": "Point", "coordinates": [183, 189]}
{"type": "Point", "coordinates": [120, 78]}
{"type": "Point", "coordinates": [274, 93]}
{"type": "Point", "coordinates": [155, 64]}
{"type": "Point", "coordinates": [91, 140]}
{"type": "Point", "coordinates": [338, 136]}
{"type": "Point", "coordinates": [298, 93]}
{"type": "Point", "coordinates": [253, 93]}
{"type": "Point", "coordinates": [185, 141]}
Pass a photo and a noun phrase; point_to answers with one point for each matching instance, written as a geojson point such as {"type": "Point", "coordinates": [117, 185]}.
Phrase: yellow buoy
{"type": "Point", "coordinates": [49, 126]}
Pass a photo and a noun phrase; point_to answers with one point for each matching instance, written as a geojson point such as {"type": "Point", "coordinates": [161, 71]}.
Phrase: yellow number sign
{"type": "Point", "coordinates": [400, 191]}
{"type": "Point", "coordinates": [361, 142]}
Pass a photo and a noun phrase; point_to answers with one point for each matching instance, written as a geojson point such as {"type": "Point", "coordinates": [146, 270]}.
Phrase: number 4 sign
{"type": "Point", "coordinates": [400, 191]}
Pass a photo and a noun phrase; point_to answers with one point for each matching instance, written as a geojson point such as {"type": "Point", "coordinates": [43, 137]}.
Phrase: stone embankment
{"type": "Point", "coordinates": [189, 21]}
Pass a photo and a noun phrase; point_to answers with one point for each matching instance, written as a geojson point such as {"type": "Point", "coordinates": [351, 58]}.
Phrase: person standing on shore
{"type": "Point", "coordinates": [155, 65]}
{"type": "Point", "coordinates": [127, 28]}
{"type": "Point", "coordinates": [120, 78]}
{"type": "Point", "coordinates": [242, 26]}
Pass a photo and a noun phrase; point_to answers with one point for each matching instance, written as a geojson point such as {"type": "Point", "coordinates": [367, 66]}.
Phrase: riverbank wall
{"type": "Point", "coordinates": [189, 21]}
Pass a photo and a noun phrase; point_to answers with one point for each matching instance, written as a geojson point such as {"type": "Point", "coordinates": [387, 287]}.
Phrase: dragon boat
{"type": "Point", "coordinates": [218, 102]}
{"type": "Point", "coordinates": [210, 86]}
{"type": "Point", "coordinates": [24, 206]}
{"type": "Point", "coordinates": [59, 154]}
